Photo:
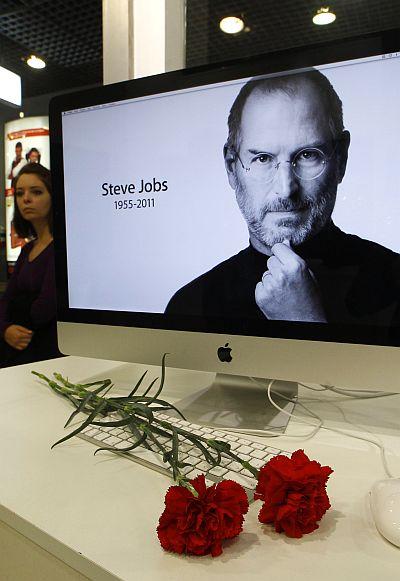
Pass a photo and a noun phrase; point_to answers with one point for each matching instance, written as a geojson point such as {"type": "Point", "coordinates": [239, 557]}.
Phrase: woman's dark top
{"type": "Point", "coordinates": [30, 301]}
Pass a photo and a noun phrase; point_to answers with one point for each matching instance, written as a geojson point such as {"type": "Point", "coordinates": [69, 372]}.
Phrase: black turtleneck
{"type": "Point", "coordinates": [359, 281]}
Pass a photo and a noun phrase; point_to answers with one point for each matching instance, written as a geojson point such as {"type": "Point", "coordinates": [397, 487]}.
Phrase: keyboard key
{"type": "Point", "coordinates": [102, 436]}
{"type": "Point", "coordinates": [204, 466]}
{"type": "Point", "coordinates": [197, 432]}
{"type": "Point", "coordinates": [217, 434]}
{"type": "Point", "coordinates": [218, 471]}
{"type": "Point", "coordinates": [257, 463]}
{"type": "Point", "coordinates": [245, 456]}
{"type": "Point", "coordinates": [192, 460]}
{"type": "Point", "coordinates": [244, 450]}
{"type": "Point", "coordinates": [230, 438]}
{"type": "Point", "coordinates": [183, 448]}
{"type": "Point", "coordinates": [121, 445]}
{"type": "Point", "coordinates": [246, 481]}
{"type": "Point", "coordinates": [111, 441]}
{"type": "Point", "coordinates": [196, 452]}
{"type": "Point", "coordinates": [274, 451]}
{"type": "Point", "coordinates": [91, 432]}
{"type": "Point", "coordinates": [258, 446]}
{"type": "Point", "coordinates": [194, 473]}
{"type": "Point", "coordinates": [235, 466]}
{"type": "Point", "coordinates": [186, 469]}
{"type": "Point", "coordinates": [259, 454]}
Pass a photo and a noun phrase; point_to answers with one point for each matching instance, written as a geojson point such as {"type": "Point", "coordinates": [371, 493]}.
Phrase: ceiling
{"type": "Point", "coordinates": [68, 34]}
{"type": "Point", "coordinates": [279, 24]}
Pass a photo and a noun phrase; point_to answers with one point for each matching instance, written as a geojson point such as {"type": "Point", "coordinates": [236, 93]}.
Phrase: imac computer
{"type": "Point", "coordinates": [241, 217]}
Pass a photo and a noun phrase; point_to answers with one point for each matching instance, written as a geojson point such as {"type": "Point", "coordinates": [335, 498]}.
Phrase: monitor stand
{"type": "Point", "coordinates": [234, 402]}
{"type": "Point", "coordinates": [230, 402]}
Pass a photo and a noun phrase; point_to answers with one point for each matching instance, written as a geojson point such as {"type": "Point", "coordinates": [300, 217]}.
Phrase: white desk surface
{"type": "Point", "coordinates": [98, 514]}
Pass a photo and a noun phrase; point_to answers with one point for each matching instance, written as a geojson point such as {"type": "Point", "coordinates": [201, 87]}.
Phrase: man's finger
{"type": "Point", "coordinates": [274, 265]}
{"type": "Point", "coordinates": [284, 253]}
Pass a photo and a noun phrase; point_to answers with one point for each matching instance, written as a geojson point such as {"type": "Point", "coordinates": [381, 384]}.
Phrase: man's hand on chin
{"type": "Point", "coordinates": [288, 290]}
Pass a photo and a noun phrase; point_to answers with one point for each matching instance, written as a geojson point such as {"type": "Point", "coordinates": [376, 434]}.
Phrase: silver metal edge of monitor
{"type": "Point", "coordinates": [346, 365]}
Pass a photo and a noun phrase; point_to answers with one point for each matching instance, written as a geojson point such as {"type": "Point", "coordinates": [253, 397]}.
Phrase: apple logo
{"type": "Point", "coordinates": [224, 353]}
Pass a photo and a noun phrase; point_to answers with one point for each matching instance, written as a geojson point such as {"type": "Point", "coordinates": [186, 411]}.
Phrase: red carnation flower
{"type": "Point", "coordinates": [198, 525]}
{"type": "Point", "coordinates": [294, 493]}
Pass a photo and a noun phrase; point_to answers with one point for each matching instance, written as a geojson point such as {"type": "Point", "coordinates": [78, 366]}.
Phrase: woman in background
{"type": "Point", "coordinates": [28, 307]}
{"type": "Point", "coordinates": [33, 155]}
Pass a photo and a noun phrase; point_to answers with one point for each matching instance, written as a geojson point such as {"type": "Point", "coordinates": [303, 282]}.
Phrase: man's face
{"type": "Point", "coordinates": [287, 207]}
{"type": "Point", "coordinates": [18, 151]}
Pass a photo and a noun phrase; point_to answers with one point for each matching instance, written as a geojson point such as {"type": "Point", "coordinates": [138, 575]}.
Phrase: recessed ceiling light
{"type": "Point", "coordinates": [324, 16]}
{"type": "Point", "coordinates": [231, 25]}
{"type": "Point", "coordinates": [35, 62]}
{"type": "Point", "coordinates": [21, 114]}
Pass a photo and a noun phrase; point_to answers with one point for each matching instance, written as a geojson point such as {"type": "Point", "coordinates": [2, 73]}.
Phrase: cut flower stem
{"type": "Point", "coordinates": [135, 412]}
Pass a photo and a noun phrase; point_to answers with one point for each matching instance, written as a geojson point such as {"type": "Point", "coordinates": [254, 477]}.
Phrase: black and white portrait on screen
{"type": "Point", "coordinates": [285, 157]}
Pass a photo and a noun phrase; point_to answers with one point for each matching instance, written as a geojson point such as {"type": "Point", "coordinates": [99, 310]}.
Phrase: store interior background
{"type": "Point", "coordinates": [68, 36]}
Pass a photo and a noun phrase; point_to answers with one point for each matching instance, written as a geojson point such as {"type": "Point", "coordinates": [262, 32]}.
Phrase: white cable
{"type": "Point", "coordinates": [342, 432]}
{"type": "Point", "coordinates": [320, 424]}
{"type": "Point", "coordinates": [356, 393]}
{"type": "Point", "coordinates": [270, 433]}
{"type": "Point", "coordinates": [265, 433]}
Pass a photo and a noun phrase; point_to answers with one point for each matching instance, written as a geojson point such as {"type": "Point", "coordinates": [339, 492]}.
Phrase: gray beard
{"type": "Point", "coordinates": [318, 216]}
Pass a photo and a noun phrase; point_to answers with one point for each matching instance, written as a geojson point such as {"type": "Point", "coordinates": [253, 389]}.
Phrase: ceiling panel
{"type": "Point", "coordinates": [68, 34]}
{"type": "Point", "coordinates": [278, 24]}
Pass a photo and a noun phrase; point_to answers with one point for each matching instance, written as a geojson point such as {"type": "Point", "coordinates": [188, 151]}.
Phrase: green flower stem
{"type": "Point", "coordinates": [135, 412]}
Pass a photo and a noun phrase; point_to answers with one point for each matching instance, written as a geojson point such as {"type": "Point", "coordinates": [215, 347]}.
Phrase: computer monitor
{"type": "Point", "coordinates": [155, 202]}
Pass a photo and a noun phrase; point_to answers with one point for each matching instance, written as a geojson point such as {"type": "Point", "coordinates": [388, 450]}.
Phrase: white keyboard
{"type": "Point", "coordinates": [257, 454]}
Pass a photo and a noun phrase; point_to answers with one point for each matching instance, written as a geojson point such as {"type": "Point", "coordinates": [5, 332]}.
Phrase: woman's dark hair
{"type": "Point", "coordinates": [33, 149]}
{"type": "Point", "coordinates": [23, 227]}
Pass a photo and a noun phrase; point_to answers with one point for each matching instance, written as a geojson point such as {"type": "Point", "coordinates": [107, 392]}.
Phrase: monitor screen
{"type": "Point", "coordinates": [258, 199]}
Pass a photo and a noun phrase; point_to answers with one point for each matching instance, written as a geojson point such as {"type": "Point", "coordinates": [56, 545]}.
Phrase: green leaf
{"type": "Point", "coordinates": [83, 425]}
{"type": "Point", "coordinates": [162, 377]}
{"type": "Point", "coordinates": [209, 458]}
{"type": "Point", "coordinates": [134, 390]}
{"type": "Point", "coordinates": [144, 410]}
{"type": "Point", "coordinates": [165, 405]}
{"type": "Point", "coordinates": [175, 454]}
{"type": "Point", "coordinates": [152, 437]}
{"type": "Point", "coordinates": [128, 449]}
{"type": "Point", "coordinates": [79, 408]}
{"type": "Point", "coordinates": [149, 388]}
{"type": "Point", "coordinates": [112, 423]}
